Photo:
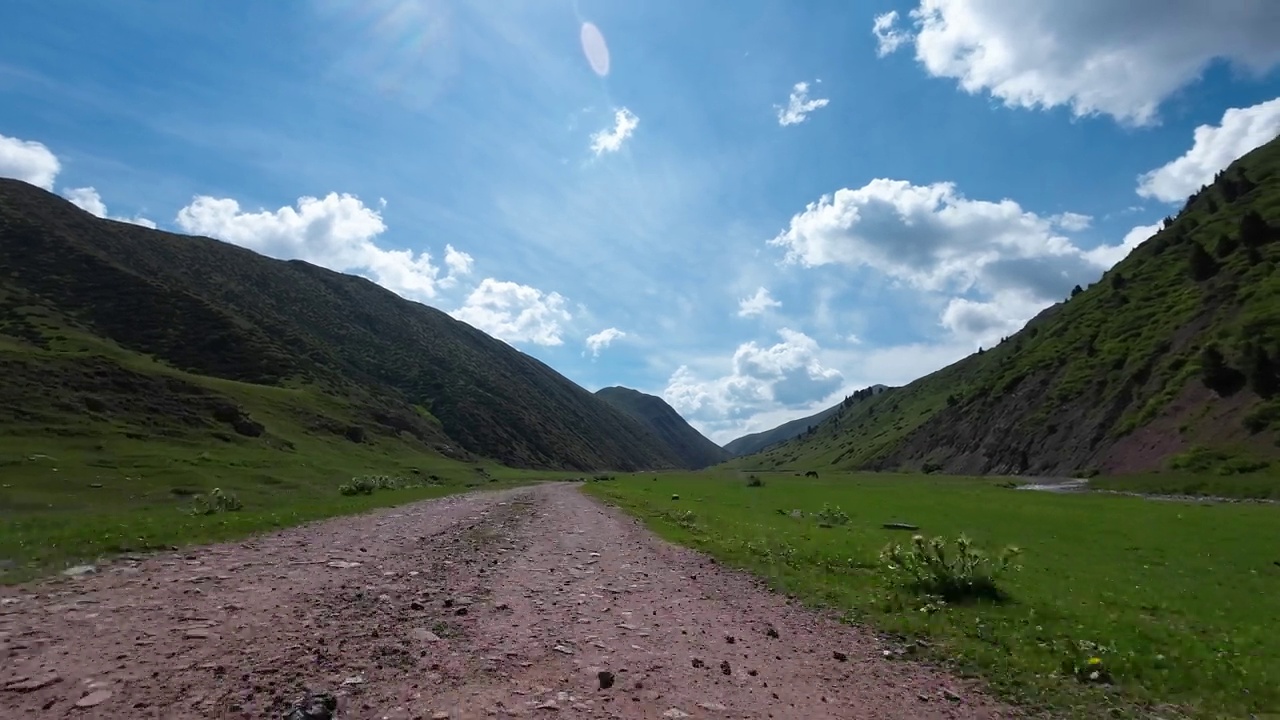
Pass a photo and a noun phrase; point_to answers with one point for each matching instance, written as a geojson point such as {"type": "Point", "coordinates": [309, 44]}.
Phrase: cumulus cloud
{"type": "Point", "coordinates": [28, 161]}
{"type": "Point", "coordinates": [1094, 56]}
{"type": "Point", "coordinates": [984, 322]}
{"type": "Point", "coordinates": [603, 339]}
{"type": "Point", "coordinates": [799, 105]}
{"type": "Point", "coordinates": [337, 231]}
{"type": "Point", "coordinates": [515, 313]}
{"type": "Point", "coordinates": [888, 37]}
{"type": "Point", "coordinates": [611, 140]}
{"type": "Point", "coordinates": [1071, 222]}
{"type": "Point", "coordinates": [934, 238]}
{"type": "Point", "coordinates": [1000, 262]}
{"type": "Point", "coordinates": [1108, 255]}
{"type": "Point", "coordinates": [1214, 148]}
{"type": "Point", "coordinates": [88, 199]}
{"type": "Point", "coordinates": [757, 304]}
{"type": "Point", "coordinates": [787, 374]}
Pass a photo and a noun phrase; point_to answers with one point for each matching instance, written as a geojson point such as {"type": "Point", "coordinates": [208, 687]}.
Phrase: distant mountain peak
{"type": "Point", "coordinates": [693, 449]}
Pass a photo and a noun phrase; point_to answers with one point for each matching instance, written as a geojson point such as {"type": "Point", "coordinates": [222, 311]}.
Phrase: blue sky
{"type": "Point", "coordinates": [752, 208]}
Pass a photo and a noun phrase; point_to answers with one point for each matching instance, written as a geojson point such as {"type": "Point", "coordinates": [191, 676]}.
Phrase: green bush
{"type": "Point", "coordinates": [832, 515]}
{"type": "Point", "coordinates": [754, 481]}
{"type": "Point", "coordinates": [965, 573]}
{"type": "Point", "coordinates": [369, 483]}
{"type": "Point", "coordinates": [216, 502]}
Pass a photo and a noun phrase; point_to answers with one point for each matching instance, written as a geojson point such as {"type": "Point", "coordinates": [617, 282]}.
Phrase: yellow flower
{"type": "Point", "coordinates": [1095, 661]}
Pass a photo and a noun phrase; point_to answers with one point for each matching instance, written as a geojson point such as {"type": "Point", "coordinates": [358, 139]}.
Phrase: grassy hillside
{"type": "Point", "coordinates": [690, 446]}
{"type": "Point", "coordinates": [755, 442]}
{"type": "Point", "coordinates": [1169, 362]}
{"type": "Point", "coordinates": [111, 330]}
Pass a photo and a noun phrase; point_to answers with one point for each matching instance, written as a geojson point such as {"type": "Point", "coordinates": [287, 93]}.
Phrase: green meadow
{"type": "Point", "coordinates": [66, 501]}
{"type": "Point", "coordinates": [1176, 601]}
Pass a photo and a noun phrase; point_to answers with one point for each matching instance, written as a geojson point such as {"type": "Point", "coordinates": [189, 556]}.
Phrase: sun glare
{"type": "Point", "coordinates": [595, 48]}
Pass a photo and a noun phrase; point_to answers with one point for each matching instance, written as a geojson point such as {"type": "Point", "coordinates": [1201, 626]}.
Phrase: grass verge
{"type": "Point", "coordinates": [1261, 486]}
{"type": "Point", "coordinates": [66, 501]}
{"type": "Point", "coordinates": [1175, 600]}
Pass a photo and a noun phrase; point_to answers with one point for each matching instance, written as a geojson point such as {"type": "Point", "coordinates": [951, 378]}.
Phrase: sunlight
{"type": "Point", "coordinates": [595, 48]}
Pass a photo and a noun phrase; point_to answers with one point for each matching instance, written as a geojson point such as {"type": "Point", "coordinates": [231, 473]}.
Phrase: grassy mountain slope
{"type": "Point", "coordinates": [1170, 361]}
{"type": "Point", "coordinates": [755, 442]}
{"type": "Point", "coordinates": [693, 449]}
{"type": "Point", "coordinates": [109, 328]}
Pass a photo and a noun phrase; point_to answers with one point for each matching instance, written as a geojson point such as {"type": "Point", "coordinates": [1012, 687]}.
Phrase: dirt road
{"type": "Point", "coordinates": [526, 603]}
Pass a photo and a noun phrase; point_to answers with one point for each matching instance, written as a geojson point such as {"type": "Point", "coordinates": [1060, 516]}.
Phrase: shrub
{"type": "Point", "coordinates": [932, 569]}
{"type": "Point", "coordinates": [1262, 417]}
{"type": "Point", "coordinates": [754, 481]}
{"type": "Point", "coordinates": [216, 502]}
{"type": "Point", "coordinates": [832, 515]}
{"type": "Point", "coordinates": [369, 483]}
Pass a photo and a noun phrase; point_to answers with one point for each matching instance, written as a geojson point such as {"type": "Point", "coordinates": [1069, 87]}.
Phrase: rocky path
{"type": "Point", "coordinates": [528, 603]}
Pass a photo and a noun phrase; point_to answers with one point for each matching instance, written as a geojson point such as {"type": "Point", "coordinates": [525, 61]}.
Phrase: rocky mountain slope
{"type": "Point", "coordinates": [691, 447]}
{"type": "Point", "coordinates": [109, 328]}
{"type": "Point", "coordinates": [1168, 362]}
{"type": "Point", "coordinates": [755, 442]}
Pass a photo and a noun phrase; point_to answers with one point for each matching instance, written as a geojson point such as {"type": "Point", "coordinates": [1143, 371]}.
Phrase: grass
{"type": "Point", "coordinates": [1262, 485]}
{"type": "Point", "coordinates": [1177, 600]}
{"type": "Point", "coordinates": [63, 504]}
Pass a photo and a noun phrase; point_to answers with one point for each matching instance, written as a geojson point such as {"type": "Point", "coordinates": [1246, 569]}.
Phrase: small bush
{"type": "Point", "coordinates": [832, 515]}
{"type": "Point", "coordinates": [216, 502]}
{"type": "Point", "coordinates": [754, 481]}
{"type": "Point", "coordinates": [1263, 417]}
{"type": "Point", "coordinates": [932, 569]}
{"type": "Point", "coordinates": [369, 483]}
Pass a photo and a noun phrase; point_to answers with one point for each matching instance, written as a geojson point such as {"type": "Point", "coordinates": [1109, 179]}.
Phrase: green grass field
{"type": "Point", "coordinates": [64, 501]}
{"type": "Point", "coordinates": [1178, 600]}
{"type": "Point", "coordinates": [1258, 486]}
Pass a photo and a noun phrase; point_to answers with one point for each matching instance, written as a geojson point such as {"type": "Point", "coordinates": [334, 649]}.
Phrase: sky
{"type": "Point", "coordinates": [749, 208]}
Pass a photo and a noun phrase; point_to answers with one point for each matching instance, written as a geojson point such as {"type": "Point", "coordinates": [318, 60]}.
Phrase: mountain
{"type": "Point", "coordinates": [1169, 362]}
{"type": "Point", "coordinates": [107, 327]}
{"type": "Point", "coordinates": [755, 442]}
{"type": "Point", "coordinates": [690, 446]}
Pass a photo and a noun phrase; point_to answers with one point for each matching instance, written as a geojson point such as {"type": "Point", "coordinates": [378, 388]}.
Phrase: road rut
{"type": "Point", "coordinates": [535, 602]}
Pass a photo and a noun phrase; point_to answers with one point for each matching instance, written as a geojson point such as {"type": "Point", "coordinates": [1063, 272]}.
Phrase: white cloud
{"type": "Point", "coordinates": [985, 322]}
{"type": "Point", "coordinates": [757, 304]}
{"type": "Point", "coordinates": [888, 37]}
{"type": "Point", "coordinates": [1094, 56]}
{"type": "Point", "coordinates": [88, 199]}
{"type": "Point", "coordinates": [336, 231]}
{"type": "Point", "coordinates": [999, 262]}
{"type": "Point", "coordinates": [458, 263]}
{"type": "Point", "coordinates": [603, 339]}
{"type": "Point", "coordinates": [28, 161]}
{"type": "Point", "coordinates": [1242, 130]}
{"type": "Point", "coordinates": [610, 140]}
{"type": "Point", "coordinates": [515, 313]}
{"type": "Point", "coordinates": [1072, 222]}
{"type": "Point", "coordinates": [799, 105]}
{"type": "Point", "coordinates": [934, 238]}
{"type": "Point", "coordinates": [787, 374]}
{"type": "Point", "coordinates": [1108, 255]}
{"type": "Point", "coordinates": [724, 407]}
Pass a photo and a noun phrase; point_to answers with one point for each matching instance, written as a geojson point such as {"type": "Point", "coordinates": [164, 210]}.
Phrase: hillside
{"type": "Point", "coordinates": [109, 329]}
{"type": "Point", "coordinates": [1169, 362]}
{"type": "Point", "coordinates": [691, 448]}
{"type": "Point", "coordinates": [755, 442]}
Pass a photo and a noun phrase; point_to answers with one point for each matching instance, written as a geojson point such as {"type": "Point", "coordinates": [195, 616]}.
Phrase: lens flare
{"type": "Point", "coordinates": [594, 47]}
